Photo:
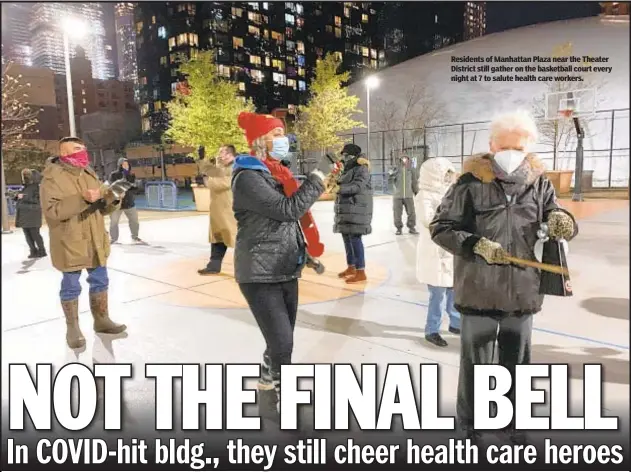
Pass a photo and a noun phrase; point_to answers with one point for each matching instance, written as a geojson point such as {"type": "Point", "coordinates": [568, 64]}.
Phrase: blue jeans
{"type": "Point", "coordinates": [354, 251]}
{"type": "Point", "coordinates": [435, 309]}
{"type": "Point", "coordinates": [71, 288]}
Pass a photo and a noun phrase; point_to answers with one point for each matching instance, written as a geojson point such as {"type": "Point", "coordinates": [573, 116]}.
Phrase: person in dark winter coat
{"type": "Point", "coordinates": [270, 250]}
{"type": "Point", "coordinates": [353, 211]}
{"type": "Point", "coordinates": [494, 209]}
{"type": "Point", "coordinates": [128, 204]}
{"type": "Point", "coordinates": [405, 181]}
{"type": "Point", "coordinates": [29, 213]}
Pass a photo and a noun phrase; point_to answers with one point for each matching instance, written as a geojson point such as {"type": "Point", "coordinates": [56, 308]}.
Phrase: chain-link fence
{"type": "Point", "coordinates": [606, 145]}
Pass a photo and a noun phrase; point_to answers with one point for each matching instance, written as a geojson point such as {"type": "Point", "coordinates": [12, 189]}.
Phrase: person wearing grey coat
{"type": "Point", "coordinates": [404, 178]}
{"type": "Point", "coordinates": [353, 211]}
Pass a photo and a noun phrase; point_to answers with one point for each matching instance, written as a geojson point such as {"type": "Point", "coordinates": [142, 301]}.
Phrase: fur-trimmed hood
{"type": "Point", "coordinates": [358, 161]}
{"type": "Point", "coordinates": [480, 166]}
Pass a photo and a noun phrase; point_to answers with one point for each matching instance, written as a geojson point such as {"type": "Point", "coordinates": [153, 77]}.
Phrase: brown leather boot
{"type": "Point", "coordinates": [349, 272]}
{"type": "Point", "coordinates": [100, 313]}
{"type": "Point", "coordinates": [74, 336]}
{"type": "Point", "coordinates": [360, 276]}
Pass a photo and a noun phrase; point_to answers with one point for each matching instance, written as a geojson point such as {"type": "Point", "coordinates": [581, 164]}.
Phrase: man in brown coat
{"type": "Point", "coordinates": [73, 203]}
{"type": "Point", "coordinates": [223, 226]}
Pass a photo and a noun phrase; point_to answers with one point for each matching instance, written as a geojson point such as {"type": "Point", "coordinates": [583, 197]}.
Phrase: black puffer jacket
{"type": "Point", "coordinates": [353, 204]}
{"type": "Point", "coordinates": [28, 208]}
{"type": "Point", "coordinates": [270, 247]}
{"type": "Point", "coordinates": [129, 200]}
{"type": "Point", "coordinates": [485, 202]}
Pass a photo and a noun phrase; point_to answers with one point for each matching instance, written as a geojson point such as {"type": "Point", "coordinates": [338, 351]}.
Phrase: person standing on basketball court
{"type": "Point", "coordinates": [405, 181]}
{"type": "Point", "coordinates": [495, 209]}
{"type": "Point", "coordinates": [128, 204]}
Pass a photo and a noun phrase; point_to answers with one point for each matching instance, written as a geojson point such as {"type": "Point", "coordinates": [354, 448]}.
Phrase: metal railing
{"type": "Point", "coordinates": [161, 196]}
{"type": "Point", "coordinates": [606, 145]}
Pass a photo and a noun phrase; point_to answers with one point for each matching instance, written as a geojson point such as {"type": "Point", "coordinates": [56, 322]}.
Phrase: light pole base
{"type": "Point", "coordinates": [577, 197]}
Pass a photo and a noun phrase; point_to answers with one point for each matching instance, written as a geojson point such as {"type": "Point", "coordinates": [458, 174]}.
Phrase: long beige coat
{"type": "Point", "coordinates": [223, 226]}
{"type": "Point", "coordinates": [78, 238]}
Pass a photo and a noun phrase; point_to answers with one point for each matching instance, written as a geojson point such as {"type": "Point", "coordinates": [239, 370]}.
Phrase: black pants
{"type": "Point", "coordinates": [34, 240]}
{"type": "Point", "coordinates": [397, 205]}
{"type": "Point", "coordinates": [217, 253]}
{"type": "Point", "coordinates": [477, 345]}
{"type": "Point", "coordinates": [274, 307]}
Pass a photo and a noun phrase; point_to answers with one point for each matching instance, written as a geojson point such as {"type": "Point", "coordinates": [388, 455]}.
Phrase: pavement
{"type": "Point", "coordinates": [176, 316]}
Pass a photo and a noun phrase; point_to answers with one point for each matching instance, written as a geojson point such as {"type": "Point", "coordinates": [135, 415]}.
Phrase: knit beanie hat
{"type": "Point", "coordinates": [255, 125]}
{"type": "Point", "coordinates": [121, 161]}
{"type": "Point", "coordinates": [352, 150]}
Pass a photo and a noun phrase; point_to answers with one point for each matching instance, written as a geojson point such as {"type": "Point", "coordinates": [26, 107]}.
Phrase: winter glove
{"type": "Point", "coordinates": [116, 190]}
{"type": "Point", "coordinates": [560, 225]}
{"type": "Point", "coordinates": [490, 251]}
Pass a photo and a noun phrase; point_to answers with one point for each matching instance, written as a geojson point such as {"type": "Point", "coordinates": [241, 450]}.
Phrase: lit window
{"type": "Point", "coordinates": [143, 80]}
{"type": "Point", "coordinates": [144, 109]}
{"type": "Point", "coordinates": [300, 23]}
{"type": "Point", "coordinates": [265, 5]}
{"type": "Point", "coordinates": [299, 9]}
{"type": "Point", "coordinates": [193, 39]}
{"type": "Point", "coordinates": [301, 60]}
{"type": "Point", "coordinates": [163, 61]}
{"type": "Point", "coordinates": [162, 32]}
{"type": "Point", "coordinates": [253, 30]}
{"type": "Point", "coordinates": [254, 17]}
{"type": "Point", "coordinates": [300, 47]}
{"type": "Point", "coordinates": [82, 92]}
{"type": "Point", "coordinates": [146, 125]}
{"type": "Point", "coordinates": [85, 111]}
{"type": "Point", "coordinates": [365, 51]}
{"type": "Point", "coordinates": [237, 42]}
{"type": "Point", "coordinates": [329, 28]}
{"type": "Point", "coordinates": [364, 18]}
{"type": "Point", "coordinates": [338, 21]}
{"type": "Point", "coordinates": [84, 101]}
{"type": "Point", "coordinates": [242, 86]}
{"type": "Point", "coordinates": [290, 6]}
{"type": "Point", "coordinates": [289, 19]}
{"type": "Point", "coordinates": [373, 63]}
{"type": "Point", "coordinates": [172, 43]}
{"type": "Point", "coordinates": [173, 87]}
{"type": "Point", "coordinates": [291, 83]}
{"type": "Point", "coordinates": [173, 72]}
{"type": "Point", "coordinates": [257, 75]}
{"type": "Point", "coordinates": [139, 27]}
{"type": "Point", "coordinates": [435, 18]}
{"type": "Point", "coordinates": [278, 64]}
{"type": "Point", "coordinates": [193, 53]}
{"type": "Point", "coordinates": [82, 82]}
{"type": "Point", "coordinates": [338, 32]}
{"type": "Point", "coordinates": [291, 46]}
{"type": "Point", "coordinates": [254, 5]}
{"type": "Point", "coordinates": [279, 78]}
{"type": "Point", "coordinates": [223, 70]}
{"type": "Point", "coordinates": [238, 12]}
{"type": "Point", "coordinates": [153, 20]}
{"type": "Point", "coordinates": [338, 56]}
{"type": "Point", "coordinates": [276, 36]}
{"type": "Point", "coordinates": [289, 32]}
{"type": "Point", "coordinates": [301, 71]}
{"type": "Point", "coordinates": [373, 54]}
{"type": "Point", "coordinates": [347, 12]}
{"type": "Point", "coordinates": [157, 105]}
{"type": "Point", "coordinates": [302, 85]}
{"type": "Point", "coordinates": [256, 60]}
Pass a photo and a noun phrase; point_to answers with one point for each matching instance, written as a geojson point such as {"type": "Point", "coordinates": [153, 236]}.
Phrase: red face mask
{"type": "Point", "coordinates": [78, 159]}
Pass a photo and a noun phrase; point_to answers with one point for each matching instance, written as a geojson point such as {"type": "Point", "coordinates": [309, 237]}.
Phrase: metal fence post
{"type": "Point", "coordinates": [613, 117]}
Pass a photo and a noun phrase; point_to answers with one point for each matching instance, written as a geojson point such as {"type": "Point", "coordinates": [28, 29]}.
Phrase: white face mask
{"type": "Point", "coordinates": [509, 160]}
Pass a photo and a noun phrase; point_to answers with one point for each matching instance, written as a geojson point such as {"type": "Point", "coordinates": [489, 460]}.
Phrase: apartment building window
{"type": "Point", "coordinates": [82, 82]}
{"type": "Point", "coordinates": [279, 78]}
{"type": "Point", "coordinates": [242, 86]}
{"type": "Point", "coordinates": [373, 54]}
{"type": "Point", "coordinates": [291, 46]}
{"type": "Point", "coordinates": [338, 56]}
{"type": "Point", "coordinates": [253, 30]}
{"type": "Point", "coordinates": [256, 60]}
{"type": "Point", "coordinates": [82, 91]}
{"type": "Point", "coordinates": [436, 19]}
{"type": "Point", "coordinates": [172, 42]}
{"type": "Point", "coordinates": [254, 5]}
{"type": "Point", "coordinates": [300, 47]}
{"type": "Point", "coordinates": [162, 32]}
{"type": "Point", "coordinates": [237, 42]}
{"type": "Point", "coordinates": [302, 85]}
{"type": "Point", "coordinates": [157, 105]}
{"type": "Point", "coordinates": [139, 26]}
{"type": "Point", "coordinates": [373, 63]}
{"type": "Point", "coordinates": [278, 64]}
{"type": "Point", "coordinates": [223, 70]}
{"type": "Point", "coordinates": [301, 71]}
{"type": "Point", "coordinates": [265, 5]}
{"type": "Point", "coordinates": [347, 12]}
{"type": "Point", "coordinates": [194, 53]}
{"type": "Point", "coordinates": [268, 61]}
{"type": "Point", "coordinates": [364, 18]}
{"type": "Point", "coordinates": [143, 80]}
{"type": "Point", "coordinates": [291, 83]}
{"type": "Point", "coordinates": [163, 61]}
{"type": "Point", "coordinates": [299, 9]}
{"type": "Point", "coordinates": [238, 12]}
{"type": "Point", "coordinates": [289, 19]}
{"type": "Point", "coordinates": [144, 109]}
{"type": "Point", "coordinates": [338, 21]}
{"type": "Point", "coordinates": [84, 101]}
{"type": "Point", "coordinates": [289, 32]}
{"type": "Point", "coordinates": [85, 111]}
{"type": "Point", "coordinates": [254, 17]}
{"type": "Point", "coordinates": [301, 60]}
{"type": "Point", "coordinates": [300, 23]}
{"type": "Point", "coordinates": [290, 6]}
{"type": "Point", "coordinates": [153, 20]}
{"type": "Point", "coordinates": [257, 75]}
{"type": "Point", "coordinates": [329, 28]}
{"type": "Point", "coordinates": [365, 51]}
{"type": "Point", "coordinates": [338, 32]}
{"type": "Point", "coordinates": [276, 36]}
{"type": "Point", "coordinates": [173, 72]}
{"type": "Point", "coordinates": [146, 125]}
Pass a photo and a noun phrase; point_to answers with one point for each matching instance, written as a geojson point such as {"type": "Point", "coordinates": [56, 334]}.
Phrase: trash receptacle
{"type": "Point", "coordinates": [587, 180]}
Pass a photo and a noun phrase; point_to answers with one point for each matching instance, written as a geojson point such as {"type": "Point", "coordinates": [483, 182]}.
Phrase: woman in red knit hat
{"type": "Point", "coordinates": [270, 249]}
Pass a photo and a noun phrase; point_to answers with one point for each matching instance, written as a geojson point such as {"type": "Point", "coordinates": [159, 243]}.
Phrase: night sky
{"type": "Point", "coordinates": [501, 16]}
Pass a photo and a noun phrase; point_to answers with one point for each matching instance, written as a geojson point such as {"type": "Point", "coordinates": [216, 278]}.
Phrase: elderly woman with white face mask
{"type": "Point", "coordinates": [495, 209]}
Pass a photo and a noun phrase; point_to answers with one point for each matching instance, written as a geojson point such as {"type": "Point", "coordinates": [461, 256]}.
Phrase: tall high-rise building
{"type": "Point", "coordinates": [47, 36]}
{"type": "Point", "coordinates": [16, 45]}
{"type": "Point", "coordinates": [269, 48]}
{"type": "Point", "coordinates": [410, 29]}
{"type": "Point", "coordinates": [126, 41]}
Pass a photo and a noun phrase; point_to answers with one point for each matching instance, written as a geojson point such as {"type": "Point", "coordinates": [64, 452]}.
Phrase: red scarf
{"type": "Point", "coordinates": [79, 159]}
{"type": "Point", "coordinates": [283, 175]}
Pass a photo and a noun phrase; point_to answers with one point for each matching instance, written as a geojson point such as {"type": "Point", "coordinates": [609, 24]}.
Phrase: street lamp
{"type": "Point", "coordinates": [76, 29]}
{"type": "Point", "coordinates": [372, 82]}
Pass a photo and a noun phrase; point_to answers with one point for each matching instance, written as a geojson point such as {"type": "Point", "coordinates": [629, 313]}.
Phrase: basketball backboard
{"type": "Point", "coordinates": [569, 103]}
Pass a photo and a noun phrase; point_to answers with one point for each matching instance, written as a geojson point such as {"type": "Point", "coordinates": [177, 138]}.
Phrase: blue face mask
{"type": "Point", "coordinates": [280, 147]}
